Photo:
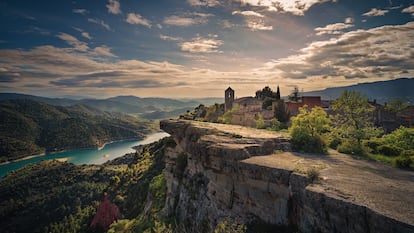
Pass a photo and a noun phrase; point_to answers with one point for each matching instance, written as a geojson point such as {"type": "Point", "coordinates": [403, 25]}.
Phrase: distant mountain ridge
{"type": "Point", "coordinates": [382, 91]}
{"type": "Point", "coordinates": [29, 127]}
{"type": "Point", "coordinates": [149, 108]}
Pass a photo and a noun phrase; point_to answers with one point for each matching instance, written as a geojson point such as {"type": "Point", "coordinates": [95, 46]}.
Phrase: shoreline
{"type": "Point", "coordinates": [23, 158]}
{"type": "Point", "coordinates": [84, 148]}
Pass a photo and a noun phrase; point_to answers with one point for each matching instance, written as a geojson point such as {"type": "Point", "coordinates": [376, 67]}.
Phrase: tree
{"type": "Point", "coordinates": [307, 129]}
{"type": "Point", "coordinates": [282, 112]}
{"type": "Point", "coordinates": [396, 106]}
{"type": "Point", "coordinates": [294, 96]}
{"type": "Point", "coordinates": [353, 121]}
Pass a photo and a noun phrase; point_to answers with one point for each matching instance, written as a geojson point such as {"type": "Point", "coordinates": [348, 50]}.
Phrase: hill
{"type": "Point", "coordinates": [382, 91]}
{"type": "Point", "coordinates": [149, 108]}
{"type": "Point", "coordinates": [29, 127]}
{"type": "Point", "coordinates": [56, 197]}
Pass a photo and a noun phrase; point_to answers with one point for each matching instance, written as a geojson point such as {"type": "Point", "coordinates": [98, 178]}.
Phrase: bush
{"type": "Point", "coordinates": [402, 162]}
{"type": "Point", "coordinates": [351, 147]}
{"type": "Point", "coordinates": [307, 129]}
{"type": "Point", "coordinates": [407, 153]}
{"type": "Point", "coordinates": [373, 144]}
{"type": "Point", "coordinates": [389, 150]}
{"type": "Point", "coordinates": [334, 142]}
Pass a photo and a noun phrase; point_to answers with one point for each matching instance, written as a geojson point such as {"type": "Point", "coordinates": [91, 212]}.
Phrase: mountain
{"type": "Point", "coordinates": [29, 127]}
{"type": "Point", "coordinates": [149, 107]}
{"type": "Point", "coordinates": [382, 91]}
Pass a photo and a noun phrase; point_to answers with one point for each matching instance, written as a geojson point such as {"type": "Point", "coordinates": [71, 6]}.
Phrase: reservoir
{"type": "Point", "coordinates": [86, 156]}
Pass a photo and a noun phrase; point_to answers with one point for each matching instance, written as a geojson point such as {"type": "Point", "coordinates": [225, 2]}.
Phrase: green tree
{"type": "Point", "coordinates": [307, 129]}
{"type": "Point", "coordinates": [353, 121]}
{"type": "Point", "coordinates": [282, 112]}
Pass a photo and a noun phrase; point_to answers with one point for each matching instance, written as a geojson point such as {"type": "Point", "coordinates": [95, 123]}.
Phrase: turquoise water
{"type": "Point", "coordinates": [86, 156]}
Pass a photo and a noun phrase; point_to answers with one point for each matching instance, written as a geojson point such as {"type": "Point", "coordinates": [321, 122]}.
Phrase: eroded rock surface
{"type": "Point", "coordinates": [218, 171]}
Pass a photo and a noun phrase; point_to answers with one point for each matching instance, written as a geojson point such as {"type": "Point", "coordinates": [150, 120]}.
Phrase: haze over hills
{"type": "Point", "coordinates": [149, 108]}
{"type": "Point", "coordinates": [382, 91]}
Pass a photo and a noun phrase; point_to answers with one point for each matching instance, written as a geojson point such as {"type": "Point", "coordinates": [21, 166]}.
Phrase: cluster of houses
{"type": "Point", "coordinates": [247, 110]}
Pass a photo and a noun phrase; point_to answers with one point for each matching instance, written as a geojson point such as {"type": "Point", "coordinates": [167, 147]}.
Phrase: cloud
{"type": "Point", "coordinates": [375, 12]}
{"type": "Point", "coordinates": [73, 41]}
{"type": "Point", "coordinates": [114, 7]}
{"type": "Point", "coordinates": [164, 37]}
{"type": "Point", "coordinates": [138, 19]}
{"type": "Point", "coordinates": [297, 7]}
{"type": "Point", "coordinates": [7, 76]}
{"type": "Point", "coordinates": [349, 20]}
{"type": "Point", "coordinates": [202, 45]}
{"type": "Point", "coordinates": [100, 22]}
{"type": "Point", "coordinates": [86, 35]}
{"type": "Point", "coordinates": [254, 20]}
{"type": "Point", "coordinates": [255, 25]}
{"type": "Point", "coordinates": [378, 53]}
{"type": "Point", "coordinates": [248, 13]}
{"type": "Point", "coordinates": [210, 3]}
{"type": "Point", "coordinates": [332, 29]}
{"type": "Point", "coordinates": [179, 21]}
{"type": "Point", "coordinates": [103, 50]}
{"type": "Point", "coordinates": [409, 10]}
{"type": "Point", "coordinates": [80, 11]}
{"type": "Point", "coordinates": [187, 19]}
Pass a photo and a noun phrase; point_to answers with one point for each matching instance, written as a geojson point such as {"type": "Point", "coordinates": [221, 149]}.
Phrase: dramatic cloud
{"type": "Point", "coordinates": [409, 10]}
{"type": "Point", "coordinates": [375, 12]}
{"type": "Point", "coordinates": [202, 45]}
{"type": "Point", "coordinates": [73, 41]}
{"type": "Point", "coordinates": [209, 3]}
{"type": "Point", "coordinates": [100, 22]}
{"type": "Point", "coordinates": [187, 19]}
{"type": "Point", "coordinates": [80, 11]}
{"type": "Point", "coordinates": [297, 7]}
{"type": "Point", "coordinates": [332, 29]}
{"type": "Point", "coordinates": [376, 53]}
{"type": "Point", "coordinates": [114, 7]}
{"type": "Point", "coordinates": [138, 19]}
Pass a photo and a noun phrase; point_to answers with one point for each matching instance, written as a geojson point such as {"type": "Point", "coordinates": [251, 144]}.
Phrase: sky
{"type": "Point", "coordinates": [197, 48]}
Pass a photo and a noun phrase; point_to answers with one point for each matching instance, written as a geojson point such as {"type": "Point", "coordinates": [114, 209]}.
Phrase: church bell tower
{"type": "Point", "coordinates": [228, 99]}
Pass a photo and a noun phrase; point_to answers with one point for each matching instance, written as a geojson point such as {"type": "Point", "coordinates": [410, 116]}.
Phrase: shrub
{"type": "Point", "coordinates": [334, 142]}
{"type": "Point", "coordinates": [307, 129]}
{"type": "Point", "coordinates": [351, 147]}
{"type": "Point", "coordinates": [389, 150]}
{"type": "Point", "coordinates": [373, 144]}
{"type": "Point", "coordinates": [402, 162]}
{"type": "Point", "coordinates": [407, 153]}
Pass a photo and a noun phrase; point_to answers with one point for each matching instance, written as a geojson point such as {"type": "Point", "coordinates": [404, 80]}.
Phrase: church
{"type": "Point", "coordinates": [248, 110]}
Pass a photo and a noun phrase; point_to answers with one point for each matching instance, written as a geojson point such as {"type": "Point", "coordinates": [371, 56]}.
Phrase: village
{"type": "Point", "coordinates": [268, 106]}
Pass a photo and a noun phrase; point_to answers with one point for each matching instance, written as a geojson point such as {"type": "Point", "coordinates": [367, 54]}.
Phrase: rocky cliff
{"type": "Point", "coordinates": [218, 172]}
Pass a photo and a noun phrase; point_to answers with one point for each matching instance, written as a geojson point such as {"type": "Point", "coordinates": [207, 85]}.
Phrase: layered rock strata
{"type": "Point", "coordinates": [218, 172]}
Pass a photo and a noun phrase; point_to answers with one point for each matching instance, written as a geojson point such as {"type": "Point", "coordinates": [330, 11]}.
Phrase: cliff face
{"type": "Point", "coordinates": [221, 171]}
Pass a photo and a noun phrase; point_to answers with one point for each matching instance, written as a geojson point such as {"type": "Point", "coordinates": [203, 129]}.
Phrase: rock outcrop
{"type": "Point", "coordinates": [217, 172]}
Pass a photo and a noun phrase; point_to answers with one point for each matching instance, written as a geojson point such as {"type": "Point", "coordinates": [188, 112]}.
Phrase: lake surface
{"type": "Point", "coordinates": [87, 156]}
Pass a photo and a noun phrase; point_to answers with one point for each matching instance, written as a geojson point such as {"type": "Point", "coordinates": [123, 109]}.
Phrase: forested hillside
{"type": "Point", "coordinates": [61, 197]}
{"type": "Point", "coordinates": [29, 127]}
